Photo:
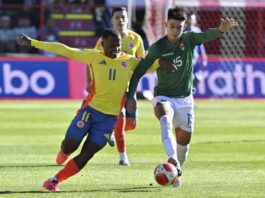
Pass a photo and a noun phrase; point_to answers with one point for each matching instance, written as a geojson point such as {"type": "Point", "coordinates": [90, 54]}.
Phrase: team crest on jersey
{"type": "Point", "coordinates": [131, 45]}
{"type": "Point", "coordinates": [124, 64]}
{"type": "Point", "coordinates": [181, 46]}
{"type": "Point", "coordinates": [80, 124]}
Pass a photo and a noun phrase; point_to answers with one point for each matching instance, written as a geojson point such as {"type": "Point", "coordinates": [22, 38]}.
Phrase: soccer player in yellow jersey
{"type": "Point", "coordinates": [132, 44]}
{"type": "Point", "coordinates": [111, 71]}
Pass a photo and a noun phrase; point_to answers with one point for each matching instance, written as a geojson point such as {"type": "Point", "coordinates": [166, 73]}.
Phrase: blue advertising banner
{"type": "Point", "coordinates": [224, 79]}
{"type": "Point", "coordinates": [56, 78]}
{"type": "Point", "coordinates": [33, 79]}
{"type": "Point", "coordinates": [232, 79]}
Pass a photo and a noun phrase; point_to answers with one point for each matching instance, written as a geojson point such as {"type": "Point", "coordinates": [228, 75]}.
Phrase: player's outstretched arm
{"type": "Point", "coordinates": [226, 24]}
{"type": "Point", "coordinates": [24, 40]}
{"type": "Point", "coordinates": [213, 33]}
{"type": "Point", "coordinates": [54, 47]}
{"type": "Point", "coordinates": [131, 105]}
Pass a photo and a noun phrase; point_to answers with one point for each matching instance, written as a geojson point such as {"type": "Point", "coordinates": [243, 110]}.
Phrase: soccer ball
{"type": "Point", "coordinates": [165, 174]}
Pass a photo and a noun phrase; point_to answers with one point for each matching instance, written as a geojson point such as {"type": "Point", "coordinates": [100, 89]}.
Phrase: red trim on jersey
{"type": "Point", "coordinates": [92, 90]}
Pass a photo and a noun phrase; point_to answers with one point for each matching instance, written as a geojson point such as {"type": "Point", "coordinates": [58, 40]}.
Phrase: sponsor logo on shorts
{"type": "Point", "coordinates": [80, 124]}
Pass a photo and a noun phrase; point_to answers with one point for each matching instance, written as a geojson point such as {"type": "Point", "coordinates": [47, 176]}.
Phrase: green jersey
{"type": "Point", "coordinates": [178, 83]}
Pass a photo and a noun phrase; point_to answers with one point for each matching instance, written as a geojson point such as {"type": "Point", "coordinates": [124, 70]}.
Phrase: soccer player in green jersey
{"type": "Point", "coordinates": [173, 102]}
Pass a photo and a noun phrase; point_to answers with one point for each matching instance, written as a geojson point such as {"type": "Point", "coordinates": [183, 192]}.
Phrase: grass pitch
{"type": "Point", "coordinates": [227, 154]}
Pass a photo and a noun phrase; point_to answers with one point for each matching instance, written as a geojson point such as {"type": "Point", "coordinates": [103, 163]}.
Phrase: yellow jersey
{"type": "Point", "coordinates": [131, 43]}
{"type": "Point", "coordinates": [110, 76]}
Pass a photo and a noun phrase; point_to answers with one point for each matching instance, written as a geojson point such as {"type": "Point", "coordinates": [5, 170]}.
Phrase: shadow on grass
{"type": "Point", "coordinates": [119, 190]}
{"type": "Point", "coordinates": [28, 165]}
{"type": "Point", "coordinates": [229, 142]}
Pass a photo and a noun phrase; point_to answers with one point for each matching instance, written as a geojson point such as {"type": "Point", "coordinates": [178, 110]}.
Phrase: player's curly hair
{"type": "Point", "coordinates": [110, 32]}
{"type": "Point", "coordinates": [177, 13]}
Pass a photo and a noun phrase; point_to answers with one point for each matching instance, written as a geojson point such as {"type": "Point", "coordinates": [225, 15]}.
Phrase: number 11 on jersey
{"type": "Point", "coordinates": [112, 74]}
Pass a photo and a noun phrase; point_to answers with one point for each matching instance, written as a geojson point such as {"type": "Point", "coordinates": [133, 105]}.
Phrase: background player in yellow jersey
{"type": "Point", "coordinates": [132, 44]}
{"type": "Point", "coordinates": [111, 71]}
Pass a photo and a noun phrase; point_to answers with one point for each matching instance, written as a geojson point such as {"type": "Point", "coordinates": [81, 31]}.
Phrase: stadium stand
{"type": "Point", "coordinates": [80, 24]}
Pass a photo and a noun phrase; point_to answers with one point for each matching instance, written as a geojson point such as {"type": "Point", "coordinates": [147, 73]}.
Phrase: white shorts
{"type": "Point", "coordinates": [183, 109]}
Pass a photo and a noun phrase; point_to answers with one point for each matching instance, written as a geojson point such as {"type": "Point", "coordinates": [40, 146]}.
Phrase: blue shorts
{"type": "Point", "coordinates": [97, 125]}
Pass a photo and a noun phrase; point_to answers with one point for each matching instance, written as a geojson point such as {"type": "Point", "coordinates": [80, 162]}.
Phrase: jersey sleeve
{"type": "Point", "coordinates": [204, 37]}
{"type": "Point", "coordinates": [61, 49]}
{"type": "Point", "coordinates": [134, 62]}
{"type": "Point", "coordinates": [140, 50]}
{"type": "Point", "coordinates": [154, 67]}
{"type": "Point", "coordinates": [98, 45]}
{"type": "Point", "coordinates": [142, 68]}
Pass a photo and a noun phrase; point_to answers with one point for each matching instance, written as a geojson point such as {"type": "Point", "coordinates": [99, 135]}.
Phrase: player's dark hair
{"type": "Point", "coordinates": [177, 13]}
{"type": "Point", "coordinates": [118, 9]}
{"type": "Point", "coordinates": [110, 32]}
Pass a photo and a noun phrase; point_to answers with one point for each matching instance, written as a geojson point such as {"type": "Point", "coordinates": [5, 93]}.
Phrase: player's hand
{"type": "Point", "coordinates": [24, 40]}
{"type": "Point", "coordinates": [131, 105]}
{"type": "Point", "coordinates": [227, 24]}
{"type": "Point", "coordinates": [167, 65]}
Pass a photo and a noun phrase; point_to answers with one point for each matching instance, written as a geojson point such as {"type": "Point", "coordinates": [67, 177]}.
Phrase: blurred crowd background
{"type": "Point", "coordinates": [235, 66]}
{"type": "Point", "coordinates": [79, 23]}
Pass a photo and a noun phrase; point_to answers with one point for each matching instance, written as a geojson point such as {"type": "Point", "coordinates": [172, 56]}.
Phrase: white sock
{"type": "Point", "coordinates": [167, 136]}
{"type": "Point", "coordinates": [123, 156]}
{"type": "Point", "coordinates": [182, 153]}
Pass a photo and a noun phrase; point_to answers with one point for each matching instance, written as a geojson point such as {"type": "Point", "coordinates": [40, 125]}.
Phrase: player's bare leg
{"type": "Point", "coordinates": [68, 146]}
